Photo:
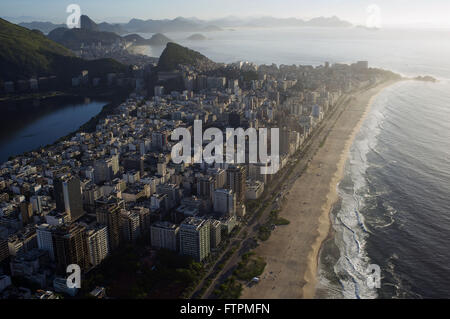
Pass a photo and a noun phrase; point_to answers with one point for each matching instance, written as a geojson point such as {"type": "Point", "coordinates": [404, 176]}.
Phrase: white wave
{"type": "Point", "coordinates": [349, 224]}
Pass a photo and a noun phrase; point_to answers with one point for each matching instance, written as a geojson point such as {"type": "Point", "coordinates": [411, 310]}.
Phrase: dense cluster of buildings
{"type": "Point", "coordinates": [80, 199]}
{"type": "Point", "coordinates": [43, 83]}
{"type": "Point", "coordinates": [132, 79]}
{"type": "Point", "coordinates": [120, 50]}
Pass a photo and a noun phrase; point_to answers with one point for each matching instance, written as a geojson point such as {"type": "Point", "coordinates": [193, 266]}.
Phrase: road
{"type": "Point", "coordinates": [277, 188]}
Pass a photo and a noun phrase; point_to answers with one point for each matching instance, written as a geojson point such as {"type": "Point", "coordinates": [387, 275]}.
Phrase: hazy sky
{"type": "Point", "coordinates": [427, 12]}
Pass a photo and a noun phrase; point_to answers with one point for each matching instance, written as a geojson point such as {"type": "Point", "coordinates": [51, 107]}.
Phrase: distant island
{"type": "Point", "coordinates": [426, 78]}
{"type": "Point", "coordinates": [367, 28]}
{"type": "Point", "coordinates": [159, 39]}
{"type": "Point", "coordinates": [197, 37]}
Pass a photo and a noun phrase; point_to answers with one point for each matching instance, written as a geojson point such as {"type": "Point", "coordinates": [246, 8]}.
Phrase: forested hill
{"type": "Point", "coordinates": [28, 53]}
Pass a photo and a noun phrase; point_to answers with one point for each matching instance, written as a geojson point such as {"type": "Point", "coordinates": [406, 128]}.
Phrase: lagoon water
{"type": "Point", "coordinates": [395, 204]}
{"type": "Point", "coordinates": [29, 124]}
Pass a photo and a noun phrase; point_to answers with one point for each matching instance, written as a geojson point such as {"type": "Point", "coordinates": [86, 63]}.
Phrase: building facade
{"type": "Point", "coordinates": [164, 235]}
{"type": "Point", "coordinates": [67, 191]}
{"type": "Point", "coordinates": [195, 238]}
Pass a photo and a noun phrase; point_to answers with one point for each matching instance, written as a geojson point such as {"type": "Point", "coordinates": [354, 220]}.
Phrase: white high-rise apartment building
{"type": "Point", "coordinates": [45, 239]}
{"type": "Point", "coordinates": [97, 244]}
{"type": "Point", "coordinates": [195, 238]}
{"type": "Point", "coordinates": [164, 235]}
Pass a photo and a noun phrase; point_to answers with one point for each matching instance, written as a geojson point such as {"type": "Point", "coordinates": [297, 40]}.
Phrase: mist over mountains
{"type": "Point", "coordinates": [181, 24]}
{"type": "Point", "coordinates": [91, 33]}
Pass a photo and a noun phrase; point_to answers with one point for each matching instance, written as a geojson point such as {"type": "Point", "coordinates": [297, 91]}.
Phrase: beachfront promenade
{"type": "Point", "coordinates": [292, 251]}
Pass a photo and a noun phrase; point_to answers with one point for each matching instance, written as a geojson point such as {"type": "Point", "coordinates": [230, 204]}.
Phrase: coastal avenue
{"type": "Point", "coordinates": [292, 251]}
{"type": "Point", "coordinates": [277, 189]}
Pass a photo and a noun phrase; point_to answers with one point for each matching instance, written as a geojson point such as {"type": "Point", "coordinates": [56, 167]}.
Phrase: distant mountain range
{"type": "Point", "coordinates": [88, 24]}
{"type": "Point", "coordinates": [85, 23]}
{"type": "Point", "coordinates": [271, 22]}
{"type": "Point", "coordinates": [92, 33]}
{"type": "Point", "coordinates": [44, 27]}
{"type": "Point", "coordinates": [175, 25]}
{"type": "Point", "coordinates": [181, 24]}
{"type": "Point", "coordinates": [74, 38]}
{"type": "Point", "coordinates": [29, 53]}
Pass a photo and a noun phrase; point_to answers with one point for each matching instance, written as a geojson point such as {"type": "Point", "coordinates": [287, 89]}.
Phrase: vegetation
{"type": "Point", "coordinates": [131, 272]}
{"type": "Point", "coordinates": [44, 27]}
{"type": "Point", "coordinates": [264, 233]}
{"type": "Point", "coordinates": [175, 54]}
{"type": "Point", "coordinates": [276, 220]}
{"type": "Point", "coordinates": [230, 289]}
{"type": "Point", "coordinates": [250, 266]}
{"type": "Point", "coordinates": [23, 50]}
{"type": "Point", "coordinates": [219, 267]}
{"type": "Point", "coordinates": [265, 230]}
{"type": "Point", "coordinates": [282, 221]}
{"type": "Point", "coordinates": [28, 53]}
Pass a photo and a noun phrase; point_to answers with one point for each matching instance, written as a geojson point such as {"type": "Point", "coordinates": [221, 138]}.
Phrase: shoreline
{"type": "Point", "coordinates": [292, 252]}
{"type": "Point", "coordinates": [309, 290]}
{"type": "Point", "coordinates": [111, 103]}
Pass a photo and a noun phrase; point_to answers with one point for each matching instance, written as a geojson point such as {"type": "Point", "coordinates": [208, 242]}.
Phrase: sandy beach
{"type": "Point", "coordinates": [292, 251]}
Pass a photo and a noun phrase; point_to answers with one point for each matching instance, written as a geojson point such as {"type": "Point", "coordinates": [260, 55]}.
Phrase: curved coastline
{"type": "Point", "coordinates": [292, 252]}
{"type": "Point", "coordinates": [324, 228]}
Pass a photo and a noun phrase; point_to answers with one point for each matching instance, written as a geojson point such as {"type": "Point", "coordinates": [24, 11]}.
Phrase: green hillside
{"type": "Point", "coordinates": [175, 54]}
{"type": "Point", "coordinates": [27, 53]}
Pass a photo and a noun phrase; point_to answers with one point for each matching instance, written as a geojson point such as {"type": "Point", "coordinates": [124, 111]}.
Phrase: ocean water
{"type": "Point", "coordinates": [408, 52]}
{"type": "Point", "coordinates": [394, 208]}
